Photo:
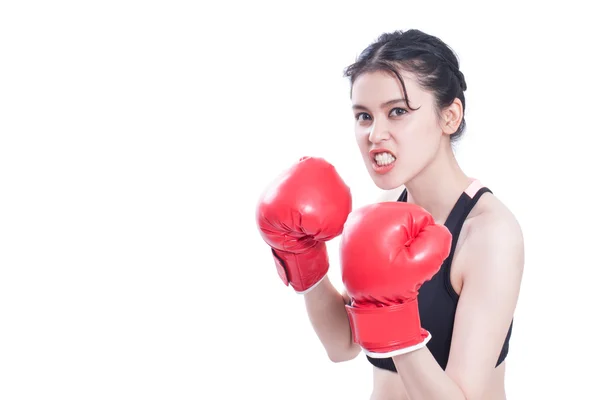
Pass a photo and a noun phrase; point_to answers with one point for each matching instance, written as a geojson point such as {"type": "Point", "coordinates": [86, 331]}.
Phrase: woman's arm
{"type": "Point", "coordinates": [494, 261]}
{"type": "Point", "coordinates": [327, 311]}
{"type": "Point", "coordinates": [327, 314]}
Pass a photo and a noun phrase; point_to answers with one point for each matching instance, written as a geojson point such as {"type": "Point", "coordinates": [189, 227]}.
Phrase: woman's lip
{"type": "Point", "coordinates": [384, 168]}
{"type": "Point", "coordinates": [373, 152]}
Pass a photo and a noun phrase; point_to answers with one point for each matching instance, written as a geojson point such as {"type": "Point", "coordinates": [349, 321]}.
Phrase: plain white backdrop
{"type": "Point", "coordinates": [136, 137]}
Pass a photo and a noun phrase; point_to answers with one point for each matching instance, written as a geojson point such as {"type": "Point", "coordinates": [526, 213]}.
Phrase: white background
{"type": "Point", "coordinates": [136, 138]}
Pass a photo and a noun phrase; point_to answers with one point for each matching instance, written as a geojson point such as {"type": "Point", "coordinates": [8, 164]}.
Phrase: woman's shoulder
{"type": "Point", "coordinates": [492, 231]}
{"type": "Point", "coordinates": [491, 216]}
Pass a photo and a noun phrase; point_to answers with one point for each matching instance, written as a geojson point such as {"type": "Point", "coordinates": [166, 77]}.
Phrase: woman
{"type": "Point", "coordinates": [407, 96]}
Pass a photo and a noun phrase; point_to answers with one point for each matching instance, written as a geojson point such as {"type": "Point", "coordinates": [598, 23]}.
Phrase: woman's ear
{"type": "Point", "coordinates": [452, 117]}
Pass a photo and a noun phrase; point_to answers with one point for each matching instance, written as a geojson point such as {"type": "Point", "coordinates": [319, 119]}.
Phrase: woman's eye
{"type": "Point", "coordinates": [396, 112]}
{"type": "Point", "coordinates": [362, 116]}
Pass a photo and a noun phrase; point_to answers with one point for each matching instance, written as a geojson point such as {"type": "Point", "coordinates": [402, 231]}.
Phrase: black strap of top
{"type": "Point", "coordinates": [460, 211]}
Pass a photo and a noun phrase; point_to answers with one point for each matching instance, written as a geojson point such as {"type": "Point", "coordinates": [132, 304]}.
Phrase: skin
{"type": "Point", "coordinates": [487, 266]}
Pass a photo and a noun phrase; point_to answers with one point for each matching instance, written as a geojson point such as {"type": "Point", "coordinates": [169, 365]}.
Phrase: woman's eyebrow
{"type": "Point", "coordinates": [383, 105]}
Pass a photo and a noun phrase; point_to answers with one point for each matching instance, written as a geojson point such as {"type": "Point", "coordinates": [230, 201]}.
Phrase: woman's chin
{"type": "Point", "coordinates": [386, 185]}
{"type": "Point", "coordinates": [387, 181]}
{"type": "Point", "coordinates": [386, 177]}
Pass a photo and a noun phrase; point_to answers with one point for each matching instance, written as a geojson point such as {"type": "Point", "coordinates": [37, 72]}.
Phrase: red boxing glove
{"type": "Point", "coordinates": [388, 250]}
{"type": "Point", "coordinates": [304, 207]}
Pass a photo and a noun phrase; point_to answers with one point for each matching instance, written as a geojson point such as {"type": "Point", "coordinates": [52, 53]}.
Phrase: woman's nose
{"type": "Point", "coordinates": [379, 131]}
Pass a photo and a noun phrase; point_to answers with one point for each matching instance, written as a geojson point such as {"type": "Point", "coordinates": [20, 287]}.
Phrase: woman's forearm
{"type": "Point", "coordinates": [424, 379]}
{"type": "Point", "coordinates": [327, 314]}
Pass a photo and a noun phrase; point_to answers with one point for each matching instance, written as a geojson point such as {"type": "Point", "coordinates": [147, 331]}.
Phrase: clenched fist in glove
{"type": "Point", "coordinates": [304, 207]}
{"type": "Point", "coordinates": [387, 251]}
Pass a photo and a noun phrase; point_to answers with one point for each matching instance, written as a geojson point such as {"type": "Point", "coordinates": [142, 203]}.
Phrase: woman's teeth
{"type": "Point", "coordinates": [384, 159]}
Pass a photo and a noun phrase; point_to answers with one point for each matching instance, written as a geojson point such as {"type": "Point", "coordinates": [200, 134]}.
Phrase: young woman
{"type": "Point", "coordinates": [407, 95]}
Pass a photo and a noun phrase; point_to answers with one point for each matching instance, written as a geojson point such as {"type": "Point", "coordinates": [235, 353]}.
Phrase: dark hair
{"type": "Point", "coordinates": [431, 60]}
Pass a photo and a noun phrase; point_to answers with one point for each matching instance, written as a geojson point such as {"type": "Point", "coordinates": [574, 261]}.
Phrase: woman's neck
{"type": "Point", "coordinates": [437, 187]}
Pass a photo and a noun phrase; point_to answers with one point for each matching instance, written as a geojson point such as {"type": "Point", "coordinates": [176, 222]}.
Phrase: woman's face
{"type": "Point", "coordinates": [395, 142]}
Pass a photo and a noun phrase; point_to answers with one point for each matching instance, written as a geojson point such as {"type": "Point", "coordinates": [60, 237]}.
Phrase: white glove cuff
{"type": "Point", "coordinates": [312, 287]}
{"type": "Point", "coordinates": [399, 351]}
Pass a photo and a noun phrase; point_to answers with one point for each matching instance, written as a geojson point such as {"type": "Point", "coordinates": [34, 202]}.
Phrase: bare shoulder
{"type": "Point", "coordinates": [492, 217]}
{"type": "Point", "coordinates": [492, 236]}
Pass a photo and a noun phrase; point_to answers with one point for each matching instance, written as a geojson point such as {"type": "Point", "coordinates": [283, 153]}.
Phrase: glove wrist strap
{"type": "Point", "coordinates": [390, 329]}
{"type": "Point", "coordinates": [302, 271]}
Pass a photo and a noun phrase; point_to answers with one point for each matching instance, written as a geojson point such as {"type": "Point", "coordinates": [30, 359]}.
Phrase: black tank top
{"type": "Point", "coordinates": [437, 298]}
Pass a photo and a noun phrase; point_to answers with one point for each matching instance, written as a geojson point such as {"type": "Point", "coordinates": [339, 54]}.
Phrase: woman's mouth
{"type": "Point", "coordinates": [382, 161]}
